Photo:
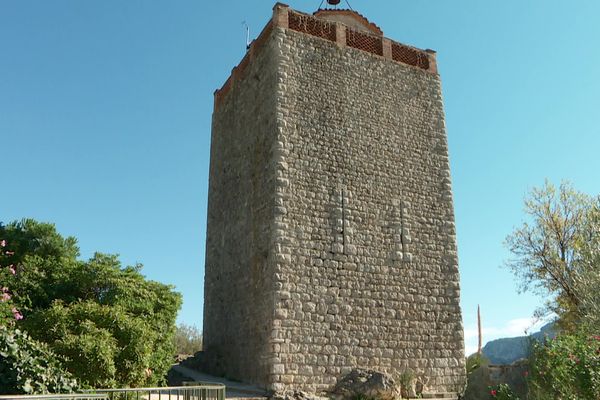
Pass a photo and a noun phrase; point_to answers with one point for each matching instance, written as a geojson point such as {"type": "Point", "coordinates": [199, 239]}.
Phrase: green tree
{"type": "Point", "coordinates": [587, 281]}
{"type": "Point", "coordinates": [111, 325]}
{"type": "Point", "coordinates": [188, 339]}
{"type": "Point", "coordinates": [551, 252]}
{"type": "Point", "coordinates": [557, 253]}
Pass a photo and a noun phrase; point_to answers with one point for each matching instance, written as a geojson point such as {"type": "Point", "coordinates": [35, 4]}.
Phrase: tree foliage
{"type": "Point", "coordinates": [110, 325]}
{"type": "Point", "coordinates": [587, 281]}
{"type": "Point", "coordinates": [555, 253]}
{"type": "Point", "coordinates": [188, 339]}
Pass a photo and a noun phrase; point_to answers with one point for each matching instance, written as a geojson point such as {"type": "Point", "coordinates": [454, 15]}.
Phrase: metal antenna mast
{"type": "Point", "coordinates": [335, 3]}
{"type": "Point", "coordinates": [247, 34]}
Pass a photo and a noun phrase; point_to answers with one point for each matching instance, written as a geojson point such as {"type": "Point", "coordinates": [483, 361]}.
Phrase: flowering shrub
{"type": "Point", "coordinates": [108, 324]}
{"type": "Point", "coordinates": [502, 392]}
{"type": "Point", "coordinates": [26, 365]}
{"type": "Point", "coordinates": [8, 312]}
{"type": "Point", "coordinates": [567, 367]}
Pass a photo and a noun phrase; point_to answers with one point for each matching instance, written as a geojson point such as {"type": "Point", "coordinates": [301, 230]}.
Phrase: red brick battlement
{"type": "Point", "coordinates": [356, 32]}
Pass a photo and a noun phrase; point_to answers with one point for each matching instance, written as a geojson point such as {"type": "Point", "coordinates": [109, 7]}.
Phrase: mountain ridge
{"type": "Point", "coordinates": [508, 350]}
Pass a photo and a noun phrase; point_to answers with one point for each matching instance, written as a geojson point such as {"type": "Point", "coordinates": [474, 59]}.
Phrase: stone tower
{"type": "Point", "coordinates": [331, 239]}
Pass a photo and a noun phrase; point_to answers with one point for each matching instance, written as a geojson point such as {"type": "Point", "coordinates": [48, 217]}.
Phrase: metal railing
{"type": "Point", "coordinates": [199, 392]}
{"type": "Point", "coordinates": [84, 396]}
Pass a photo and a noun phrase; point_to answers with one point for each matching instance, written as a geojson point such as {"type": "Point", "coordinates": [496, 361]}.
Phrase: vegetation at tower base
{"type": "Point", "coordinates": [26, 365]}
{"type": "Point", "coordinates": [29, 366]}
{"type": "Point", "coordinates": [108, 324]}
{"type": "Point", "coordinates": [475, 361]}
{"type": "Point", "coordinates": [502, 392]}
{"type": "Point", "coordinates": [556, 253]}
{"type": "Point", "coordinates": [567, 367]}
{"type": "Point", "coordinates": [188, 339]}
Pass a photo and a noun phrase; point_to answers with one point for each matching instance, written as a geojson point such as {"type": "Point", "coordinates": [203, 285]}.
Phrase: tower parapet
{"type": "Point", "coordinates": [343, 27]}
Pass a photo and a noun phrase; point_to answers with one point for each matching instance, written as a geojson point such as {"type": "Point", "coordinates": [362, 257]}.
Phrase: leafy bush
{"type": "Point", "coordinates": [188, 339]}
{"type": "Point", "coordinates": [475, 361]}
{"type": "Point", "coordinates": [406, 380]}
{"type": "Point", "coordinates": [111, 325]}
{"type": "Point", "coordinates": [502, 392]}
{"type": "Point", "coordinates": [104, 346]}
{"type": "Point", "coordinates": [567, 367]}
{"type": "Point", "coordinates": [27, 366]}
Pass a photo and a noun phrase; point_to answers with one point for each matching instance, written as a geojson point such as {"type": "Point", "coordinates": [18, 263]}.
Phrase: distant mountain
{"type": "Point", "coordinates": [509, 350]}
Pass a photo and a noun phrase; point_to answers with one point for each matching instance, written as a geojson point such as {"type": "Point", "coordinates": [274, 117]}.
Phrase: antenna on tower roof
{"type": "Point", "coordinates": [247, 34]}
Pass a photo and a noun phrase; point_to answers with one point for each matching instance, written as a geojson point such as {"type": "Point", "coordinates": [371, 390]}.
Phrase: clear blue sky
{"type": "Point", "coordinates": [105, 109]}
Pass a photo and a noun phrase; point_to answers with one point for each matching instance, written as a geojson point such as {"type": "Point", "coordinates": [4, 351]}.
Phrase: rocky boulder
{"type": "Point", "coordinates": [295, 395]}
{"type": "Point", "coordinates": [366, 383]}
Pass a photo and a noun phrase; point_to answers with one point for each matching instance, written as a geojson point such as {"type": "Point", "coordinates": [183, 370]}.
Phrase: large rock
{"type": "Point", "coordinates": [367, 383]}
{"type": "Point", "coordinates": [295, 395]}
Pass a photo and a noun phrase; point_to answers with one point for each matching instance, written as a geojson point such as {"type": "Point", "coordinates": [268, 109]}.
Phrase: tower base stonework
{"type": "Point", "coordinates": [331, 240]}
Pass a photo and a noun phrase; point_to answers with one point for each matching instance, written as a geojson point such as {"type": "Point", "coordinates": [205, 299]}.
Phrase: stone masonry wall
{"type": "Point", "coordinates": [331, 241]}
{"type": "Point", "coordinates": [367, 269]}
{"type": "Point", "coordinates": [239, 302]}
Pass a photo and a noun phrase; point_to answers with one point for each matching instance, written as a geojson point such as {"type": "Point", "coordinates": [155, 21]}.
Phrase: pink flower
{"type": "Point", "coordinates": [2, 243]}
{"type": "Point", "coordinates": [9, 253]}
{"type": "Point", "coordinates": [17, 314]}
{"type": "Point", "coordinates": [12, 269]}
{"type": "Point", "coordinates": [493, 392]}
{"type": "Point", "coordinates": [525, 374]}
{"type": "Point", "coordinates": [5, 297]}
{"type": "Point", "coordinates": [4, 289]}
